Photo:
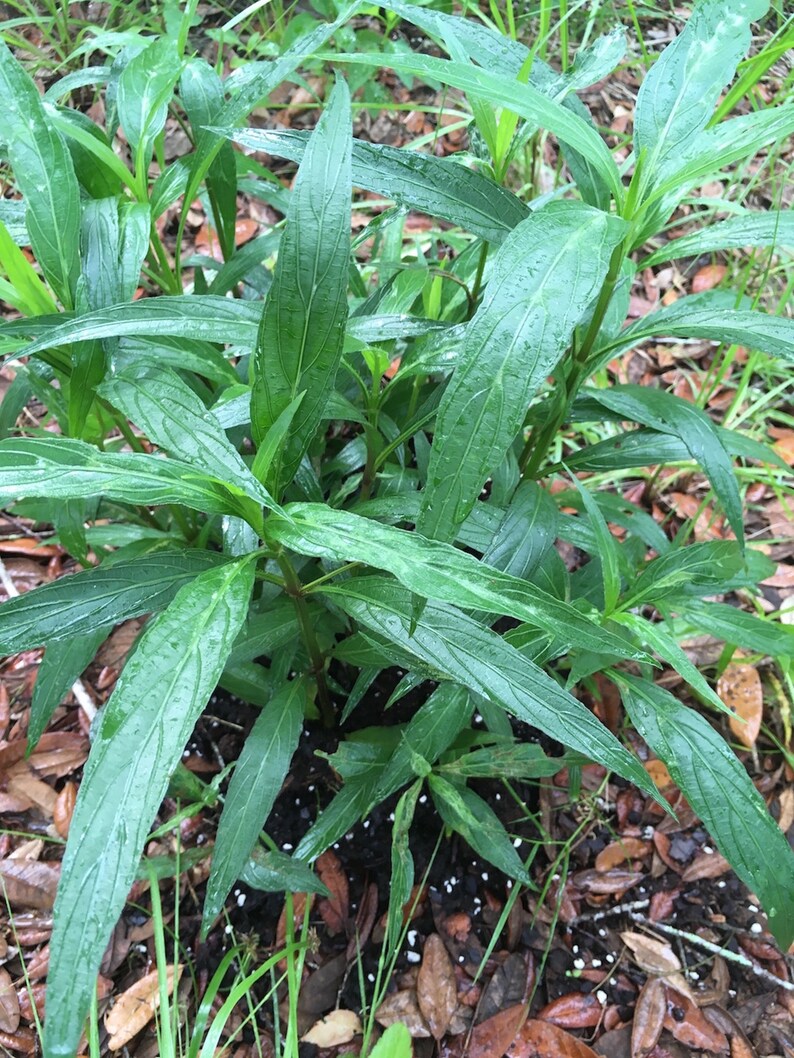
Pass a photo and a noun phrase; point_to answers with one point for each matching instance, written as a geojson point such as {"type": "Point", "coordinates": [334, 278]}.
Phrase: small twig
{"type": "Point", "coordinates": [715, 949]}
{"type": "Point", "coordinates": [82, 697]}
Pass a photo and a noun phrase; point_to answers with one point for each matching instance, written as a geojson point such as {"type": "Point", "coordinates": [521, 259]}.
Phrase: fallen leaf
{"type": "Point", "coordinates": [688, 1025]}
{"type": "Point", "coordinates": [436, 990]}
{"type": "Point", "coordinates": [707, 278]}
{"type": "Point", "coordinates": [706, 865]}
{"type": "Point", "coordinates": [336, 1028]}
{"type": "Point", "coordinates": [334, 910]}
{"type": "Point", "coordinates": [784, 443]}
{"type": "Point", "coordinates": [29, 883]}
{"type": "Point", "coordinates": [492, 1037]}
{"type": "Point", "coordinates": [649, 1014]}
{"type": "Point", "coordinates": [23, 783]}
{"type": "Point", "coordinates": [403, 1007]}
{"type": "Point", "coordinates": [657, 770]}
{"type": "Point", "coordinates": [621, 852]}
{"type": "Point", "coordinates": [541, 1039]}
{"type": "Point", "coordinates": [574, 1010]}
{"type": "Point", "coordinates": [9, 1003]}
{"type": "Point", "coordinates": [652, 955]}
{"type": "Point", "coordinates": [740, 689]}
{"type": "Point", "coordinates": [606, 883]}
{"type": "Point", "coordinates": [64, 809]}
{"type": "Point", "coordinates": [135, 1008]}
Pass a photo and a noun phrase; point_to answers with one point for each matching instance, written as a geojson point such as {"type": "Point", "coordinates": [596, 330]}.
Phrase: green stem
{"type": "Point", "coordinates": [475, 291]}
{"type": "Point", "coordinates": [294, 589]}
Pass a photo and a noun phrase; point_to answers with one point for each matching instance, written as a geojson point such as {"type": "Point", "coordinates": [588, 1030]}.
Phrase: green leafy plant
{"type": "Point", "coordinates": [338, 470]}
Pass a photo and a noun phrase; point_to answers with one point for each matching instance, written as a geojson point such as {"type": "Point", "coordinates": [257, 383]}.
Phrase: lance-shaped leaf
{"type": "Point", "coordinates": [436, 186]}
{"type": "Point", "coordinates": [462, 650]}
{"type": "Point", "coordinates": [175, 419]}
{"type": "Point", "coordinates": [681, 89]}
{"type": "Point", "coordinates": [773, 228]}
{"type": "Point", "coordinates": [74, 606]}
{"type": "Point", "coordinates": [521, 99]}
{"type": "Point", "coordinates": [670, 414]}
{"type": "Point", "coordinates": [205, 318]}
{"type": "Point", "coordinates": [144, 90]}
{"type": "Point", "coordinates": [44, 173]}
{"type": "Point", "coordinates": [720, 791]}
{"type": "Point", "coordinates": [142, 732]}
{"type": "Point", "coordinates": [761, 635]}
{"type": "Point", "coordinates": [258, 775]}
{"type": "Point", "coordinates": [63, 662]}
{"type": "Point", "coordinates": [62, 468]}
{"type": "Point", "coordinates": [436, 570]}
{"type": "Point", "coordinates": [303, 325]}
{"type": "Point", "coordinates": [545, 272]}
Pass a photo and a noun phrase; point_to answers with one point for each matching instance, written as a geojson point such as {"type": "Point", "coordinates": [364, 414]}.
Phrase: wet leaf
{"type": "Point", "coordinates": [403, 1007]}
{"type": "Point", "coordinates": [649, 1014]}
{"type": "Point", "coordinates": [135, 1008]}
{"type": "Point", "coordinates": [335, 910]}
{"type": "Point", "coordinates": [64, 807]}
{"type": "Point", "coordinates": [541, 1039]}
{"type": "Point", "coordinates": [29, 884]}
{"type": "Point", "coordinates": [491, 1038]}
{"type": "Point", "coordinates": [436, 989]}
{"type": "Point", "coordinates": [740, 688]}
{"type": "Point", "coordinates": [336, 1028]}
{"type": "Point", "coordinates": [575, 1010]}
{"type": "Point", "coordinates": [9, 1003]}
{"type": "Point", "coordinates": [706, 865]}
{"type": "Point", "coordinates": [606, 883]}
{"type": "Point", "coordinates": [617, 853]}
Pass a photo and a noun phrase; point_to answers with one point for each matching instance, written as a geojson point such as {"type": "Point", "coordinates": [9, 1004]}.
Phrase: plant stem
{"type": "Point", "coordinates": [475, 291]}
{"type": "Point", "coordinates": [294, 589]}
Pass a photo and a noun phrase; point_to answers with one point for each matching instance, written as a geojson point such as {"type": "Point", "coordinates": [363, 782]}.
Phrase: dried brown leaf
{"type": "Point", "coordinates": [649, 1014]}
{"type": "Point", "coordinates": [740, 689]}
{"type": "Point", "coordinates": [135, 1008]}
{"type": "Point", "coordinates": [64, 809]}
{"type": "Point", "coordinates": [574, 1010]}
{"type": "Point", "coordinates": [606, 883]}
{"type": "Point", "coordinates": [688, 1025]}
{"type": "Point", "coordinates": [706, 865]}
{"type": "Point", "coordinates": [436, 990]}
{"type": "Point", "coordinates": [620, 852]}
{"type": "Point", "coordinates": [541, 1039]}
{"type": "Point", "coordinates": [29, 883]}
{"type": "Point", "coordinates": [708, 277]}
{"type": "Point", "coordinates": [404, 1007]}
{"type": "Point", "coordinates": [335, 910]}
{"type": "Point", "coordinates": [492, 1037]}
{"type": "Point", "coordinates": [9, 1003]}
{"type": "Point", "coordinates": [652, 955]}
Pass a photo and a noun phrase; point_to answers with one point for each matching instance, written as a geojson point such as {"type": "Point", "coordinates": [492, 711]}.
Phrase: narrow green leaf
{"type": "Point", "coordinates": [754, 330]}
{"type": "Point", "coordinates": [548, 268]}
{"type": "Point", "coordinates": [699, 567]}
{"type": "Point", "coordinates": [522, 99]}
{"type": "Point", "coordinates": [113, 592]}
{"type": "Point", "coordinates": [29, 295]}
{"type": "Point", "coordinates": [144, 91]}
{"type": "Point", "coordinates": [175, 419]}
{"type": "Point", "coordinates": [606, 550]}
{"type": "Point", "coordinates": [401, 882]}
{"type": "Point", "coordinates": [436, 186]}
{"type": "Point", "coordinates": [63, 662]}
{"type": "Point", "coordinates": [258, 776]}
{"type": "Point", "coordinates": [667, 413]}
{"type": "Point", "coordinates": [720, 791]}
{"type": "Point", "coordinates": [275, 872]}
{"type": "Point", "coordinates": [681, 89]}
{"type": "Point", "coordinates": [62, 468]}
{"type": "Point", "coordinates": [467, 813]}
{"type": "Point", "coordinates": [301, 337]}
{"type": "Point", "coordinates": [144, 727]}
{"type": "Point", "coordinates": [44, 173]}
{"type": "Point", "coordinates": [474, 656]}
{"type": "Point", "coordinates": [435, 570]}
{"type": "Point", "coordinates": [759, 634]}
{"type": "Point", "coordinates": [508, 760]}
{"type": "Point", "coordinates": [773, 228]}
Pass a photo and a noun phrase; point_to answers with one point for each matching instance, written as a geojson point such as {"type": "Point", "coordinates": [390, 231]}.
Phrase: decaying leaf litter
{"type": "Point", "coordinates": [614, 947]}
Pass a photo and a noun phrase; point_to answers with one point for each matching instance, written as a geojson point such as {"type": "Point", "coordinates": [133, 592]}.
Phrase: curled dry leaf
{"type": "Point", "coordinates": [706, 865]}
{"type": "Point", "coordinates": [135, 1008]}
{"type": "Point", "coordinates": [575, 1010]}
{"type": "Point", "coordinates": [649, 1014]}
{"type": "Point", "coordinates": [9, 1003]}
{"type": "Point", "coordinates": [29, 883]}
{"type": "Point", "coordinates": [436, 990]}
{"type": "Point", "coordinates": [335, 909]}
{"type": "Point", "coordinates": [403, 1007]}
{"type": "Point", "coordinates": [335, 1029]}
{"type": "Point", "coordinates": [64, 809]}
{"type": "Point", "coordinates": [541, 1039]}
{"type": "Point", "coordinates": [492, 1037]}
{"type": "Point", "coordinates": [606, 883]}
{"type": "Point", "coordinates": [740, 688]}
{"type": "Point", "coordinates": [708, 277]}
{"type": "Point", "coordinates": [658, 958]}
